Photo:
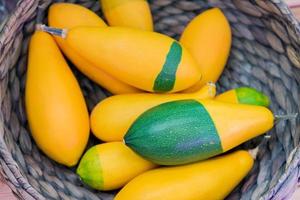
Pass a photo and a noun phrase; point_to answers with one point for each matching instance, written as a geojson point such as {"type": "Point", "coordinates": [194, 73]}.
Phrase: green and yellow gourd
{"type": "Point", "coordinates": [244, 95]}
{"type": "Point", "coordinates": [69, 15]}
{"type": "Point", "coordinates": [186, 131]}
{"type": "Point", "coordinates": [206, 180]}
{"type": "Point", "coordinates": [146, 60]}
{"type": "Point", "coordinates": [112, 117]}
{"type": "Point", "coordinates": [110, 166]}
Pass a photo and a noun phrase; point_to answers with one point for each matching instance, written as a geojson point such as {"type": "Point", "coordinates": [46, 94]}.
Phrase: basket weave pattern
{"type": "Point", "coordinates": [265, 55]}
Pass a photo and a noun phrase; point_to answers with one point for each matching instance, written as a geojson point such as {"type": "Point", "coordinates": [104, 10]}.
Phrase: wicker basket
{"type": "Point", "coordinates": [265, 54]}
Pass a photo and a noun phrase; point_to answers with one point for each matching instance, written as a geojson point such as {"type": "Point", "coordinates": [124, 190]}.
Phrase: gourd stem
{"type": "Point", "coordinates": [278, 118]}
{"type": "Point", "coordinates": [211, 85]}
{"type": "Point", "coordinates": [254, 152]}
{"type": "Point", "coordinates": [285, 117]}
{"type": "Point", "coordinates": [53, 31]}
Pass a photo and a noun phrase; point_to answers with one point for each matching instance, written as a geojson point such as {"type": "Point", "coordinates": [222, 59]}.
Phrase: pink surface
{"type": "Point", "coordinates": [5, 191]}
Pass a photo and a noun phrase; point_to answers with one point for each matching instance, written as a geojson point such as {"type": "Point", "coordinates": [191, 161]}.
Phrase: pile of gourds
{"type": "Point", "coordinates": [164, 115]}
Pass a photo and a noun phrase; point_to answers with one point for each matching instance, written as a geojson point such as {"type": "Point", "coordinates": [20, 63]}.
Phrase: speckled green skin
{"type": "Point", "coordinates": [89, 169]}
{"type": "Point", "coordinates": [174, 133]}
{"type": "Point", "coordinates": [246, 95]}
{"type": "Point", "coordinates": [165, 80]}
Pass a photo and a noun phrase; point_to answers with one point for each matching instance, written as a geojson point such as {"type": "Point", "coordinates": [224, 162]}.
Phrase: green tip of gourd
{"type": "Point", "coordinates": [89, 169]}
{"type": "Point", "coordinates": [247, 95]}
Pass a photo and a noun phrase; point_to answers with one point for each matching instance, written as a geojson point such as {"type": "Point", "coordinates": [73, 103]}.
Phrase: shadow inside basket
{"type": "Point", "coordinates": [265, 55]}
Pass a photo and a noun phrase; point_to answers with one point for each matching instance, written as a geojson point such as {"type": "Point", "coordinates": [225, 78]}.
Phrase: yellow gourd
{"type": "Point", "coordinates": [68, 15]}
{"type": "Point", "coordinates": [112, 117]}
{"type": "Point", "coordinates": [128, 13]}
{"type": "Point", "coordinates": [208, 38]}
{"type": "Point", "coordinates": [110, 166]}
{"type": "Point", "coordinates": [211, 179]}
{"type": "Point", "coordinates": [143, 59]}
{"type": "Point", "coordinates": [56, 110]}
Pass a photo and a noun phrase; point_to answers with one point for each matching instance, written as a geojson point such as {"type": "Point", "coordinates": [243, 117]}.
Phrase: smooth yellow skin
{"type": "Point", "coordinates": [128, 13]}
{"type": "Point", "coordinates": [133, 56]}
{"type": "Point", "coordinates": [211, 179]}
{"type": "Point", "coordinates": [228, 96]}
{"type": "Point", "coordinates": [68, 15]}
{"type": "Point", "coordinates": [208, 38]}
{"type": "Point", "coordinates": [56, 110]}
{"type": "Point", "coordinates": [112, 117]}
{"type": "Point", "coordinates": [114, 166]}
{"type": "Point", "coordinates": [249, 121]}
{"type": "Point", "coordinates": [120, 164]}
